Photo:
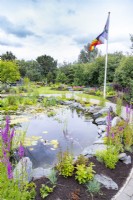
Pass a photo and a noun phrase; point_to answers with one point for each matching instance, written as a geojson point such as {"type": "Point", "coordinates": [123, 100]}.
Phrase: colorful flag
{"type": "Point", "coordinates": [100, 39]}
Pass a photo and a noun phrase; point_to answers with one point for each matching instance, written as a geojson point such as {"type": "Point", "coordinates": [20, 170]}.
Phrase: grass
{"type": "Point", "coordinates": [47, 90]}
{"type": "Point", "coordinates": [87, 96]}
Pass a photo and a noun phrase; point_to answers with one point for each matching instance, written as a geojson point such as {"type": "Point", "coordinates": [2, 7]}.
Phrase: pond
{"type": "Point", "coordinates": [46, 135]}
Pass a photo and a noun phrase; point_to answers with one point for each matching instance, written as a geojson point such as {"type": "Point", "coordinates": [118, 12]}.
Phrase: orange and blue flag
{"type": "Point", "coordinates": [100, 39]}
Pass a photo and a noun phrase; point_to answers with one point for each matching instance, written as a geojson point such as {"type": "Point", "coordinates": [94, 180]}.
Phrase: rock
{"type": "Point", "coordinates": [96, 115]}
{"type": "Point", "coordinates": [106, 181]}
{"type": "Point", "coordinates": [102, 111]}
{"type": "Point", "coordinates": [101, 121]}
{"type": "Point", "coordinates": [100, 141]}
{"type": "Point", "coordinates": [115, 121]}
{"type": "Point", "coordinates": [99, 131]}
{"type": "Point", "coordinates": [127, 160]}
{"type": "Point", "coordinates": [66, 102]}
{"type": "Point", "coordinates": [122, 156]}
{"type": "Point", "coordinates": [103, 135]}
{"type": "Point", "coordinates": [40, 172]}
{"type": "Point", "coordinates": [102, 127]}
{"type": "Point", "coordinates": [94, 109]}
{"type": "Point", "coordinates": [23, 170]}
{"type": "Point", "coordinates": [91, 150]}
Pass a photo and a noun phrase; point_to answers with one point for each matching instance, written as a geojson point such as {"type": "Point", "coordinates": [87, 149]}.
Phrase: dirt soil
{"type": "Point", "coordinates": [70, 189]}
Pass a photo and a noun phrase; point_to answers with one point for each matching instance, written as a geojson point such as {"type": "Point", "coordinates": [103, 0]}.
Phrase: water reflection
{"type": "Point", "coordinates": [67, 129]}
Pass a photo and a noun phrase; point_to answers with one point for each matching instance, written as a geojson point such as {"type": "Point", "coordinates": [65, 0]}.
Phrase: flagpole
{"type": "Point", "coordinates": [106, 63]}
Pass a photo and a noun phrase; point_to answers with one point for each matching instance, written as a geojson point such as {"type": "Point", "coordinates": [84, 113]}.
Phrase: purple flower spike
{"type": "Point", "coordinates": [127, 108]}
{"type": "Point", "coordinates": [21, 151]}
{"type": "Point", "coordinates": [113, 135]}
{"type": "Point", "coordinates": [9, 170]}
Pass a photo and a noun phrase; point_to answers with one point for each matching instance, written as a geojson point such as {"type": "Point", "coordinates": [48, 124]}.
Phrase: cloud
{"type": "Point", "coordinates": [10, 28]}
{"type": "Point", "coordinates": [61, 28]}
{"type": "Point", "coordinates": [71, 12]}
{"type": "Point", "coordinates": [3, 43]}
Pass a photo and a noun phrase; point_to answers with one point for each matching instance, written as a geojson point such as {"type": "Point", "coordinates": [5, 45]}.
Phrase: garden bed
{"type": "Point", "coordinates": [70, 189]}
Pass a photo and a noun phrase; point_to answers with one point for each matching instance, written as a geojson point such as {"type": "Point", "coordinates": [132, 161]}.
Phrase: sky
{"type": "Point", "coordinates": [61, 28]}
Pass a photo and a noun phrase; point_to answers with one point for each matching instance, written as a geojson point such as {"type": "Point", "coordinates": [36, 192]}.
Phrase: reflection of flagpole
{"type": "Point", "coordinates": [106, 60]}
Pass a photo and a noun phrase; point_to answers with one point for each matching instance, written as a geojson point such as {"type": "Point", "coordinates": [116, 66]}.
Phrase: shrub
{"type": "Point", "coordinates": [84, 174]}
{"type": "Point", "coordinates": [109, 157]}
{"type": "Point", "coordinates": [119, 106]}
{"type": "Point", "coordinates": [81, 160]}
{"type": "Point", "coordinates": [65, 164]}
{"type": "Point", "coordinates": [52, 177]}
{"type": "Point", "coordinates": [93, 187]}
{"type": "Point", "coordinates": [45, 190]}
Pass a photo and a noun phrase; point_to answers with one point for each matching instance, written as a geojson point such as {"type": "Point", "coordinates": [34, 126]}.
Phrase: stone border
{"type": "Point", "coordinates": [123, 187]}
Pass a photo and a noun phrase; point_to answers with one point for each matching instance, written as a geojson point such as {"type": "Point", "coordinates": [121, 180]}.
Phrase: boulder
{"type": "Point", "coordinates": [102, 127]}
{"type": "Point", "coordinates": [115, 121]}
{"type": "Point", "coordinates": [94, 109]}
{"type": "Point", "coordinates": [122, 156]}
{"type": "Point", "coordinates": [23, 170]}
{"type": "Point", "coordinates": [100, 141]}
{"type": "Point", "coordinates": [40, 172]}
{"type": "Point", "coordinates": [127, 160]}
{"type": "Point", "coordinates": [101, 121]}
{"type": "Point", "coordinates": [91, 150]}
{"type": "Point", "coordinates": [106, 181]}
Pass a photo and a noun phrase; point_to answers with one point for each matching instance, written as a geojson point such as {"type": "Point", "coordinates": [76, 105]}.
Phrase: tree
{"type": "Point", "coordinates": [86, 56]}
{"type": "Point", "coordinates": [8, 56]}
{"type": "Point", "coordinates": [124, 73]}
{"type": "Point", "coordinates": [47, 64]}
{"type": "Point", "coordinates": [9, 72]}
{"type": "Point", "coordinates": [50, 78]}
{"type": "Point", "coordinates": [30, 69]}
{"type": "Point", "coordinates": [79, 76]}
{"type": "Point", "coordinates": [68, 70]}
{"type": "Point", "coordinates": [61, 77]}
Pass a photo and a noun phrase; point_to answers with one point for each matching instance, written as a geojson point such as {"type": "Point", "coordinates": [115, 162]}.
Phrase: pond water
{"type": "Point", "coordinates": [45, 136]}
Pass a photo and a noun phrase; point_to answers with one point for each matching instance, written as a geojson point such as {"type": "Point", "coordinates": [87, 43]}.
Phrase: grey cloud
{"type": "Point", "coordinates": [9, 27]}
{"type": "Point", "coordinates": [71, 12]}
{"type": "Point", "coordinates": [10, 44]}
{"type": "Point", "coordinates": [82, 40]}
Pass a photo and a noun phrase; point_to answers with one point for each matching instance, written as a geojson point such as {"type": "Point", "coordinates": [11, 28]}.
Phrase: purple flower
{"type": "Point", "coordinates": [127, 109]}
{"type": "Point", "coordinates": [21, 151]}
{"type": "Point", "coordinates": [120, 128]}
{"type": "Point", "coordinates": [9, 170]}
{"type": "Point", "coordinates": [113, 135]}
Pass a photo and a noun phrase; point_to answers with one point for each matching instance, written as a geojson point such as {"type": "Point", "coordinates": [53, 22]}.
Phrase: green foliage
{"type": "Point", "coordinates": [12, 100]}
{"type": "Point", "coordinates": [8, 56]}
{"type": "Point", "coordinates": [119, 106]}
{"type": "Point", "coordinates": [52, 101]}
{"type": "Point", "coordinates": [84, 174]}
{"type": "Point", "coordinates": [93, 187]}
{"type": "Point", "coordinates": [123, 74]}
{"type": "Point", "coordinates": [9, 188]}
{"type": "Point", "coordinates": [65, 164]}
{"type": "Point", "coordinates": [128, 137]}
{"type": "Point", "coordinates": [51, 114]}
{"type": "Point", "coordinates": [47, 64]}
{"type": "Point", "coordinates": [53, 177]}
{"type": "Point", "coordinates": [45, 190]}
{"type": "Point", "coordinates": [61, 77]}
{"type": "Point", "coordinates": [109, 157]}
{"type": "Point", "coordinates": [102, 102]}
{"type": "Point", "coordinates": [86, 56]}
{"type": "Point", "coordinates": [81, 159]}
{"type": "Point", "coordinates": [9, 72]}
